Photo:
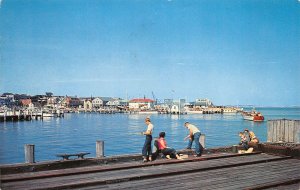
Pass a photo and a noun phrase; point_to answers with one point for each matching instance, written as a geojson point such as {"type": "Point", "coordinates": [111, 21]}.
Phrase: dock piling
{"type": "Point", "coordinates": [235, 149]}
{"type": "Point", "coordinates": [99, 149]}
{"type": "Point", "coordinates": [202, 140]}
{"type": "Point", "coordinates": [29, 153]}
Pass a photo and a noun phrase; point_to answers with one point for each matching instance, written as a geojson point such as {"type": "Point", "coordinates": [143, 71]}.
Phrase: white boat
{"type": "Point", "coordinates": [50, 114]}
{"type": "Point", "coordinates": [253, 116]}
{"type": "Point", "coordinates": [147, 112]}
{"type": "Point", "coordinates": [194, 111]}
{"type": "Point", "coordinates": [229, 111]}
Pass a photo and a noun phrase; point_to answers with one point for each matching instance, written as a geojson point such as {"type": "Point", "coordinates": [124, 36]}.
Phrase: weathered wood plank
{"type": "Point", "coordinates": [238, 176]}
{"type": "Point", "coordinates": [188, 180]}
{"type": "Point", "coordinates": [285, 187]}
{"type": "Point", "coordinates": [140, 173]}
{"type": "Point", "coordinates": [83, 170]}
{"type": "Point", "coordinates": [297, 131]}
{"type": "Point", "coordinates": [291, 131]}
{"type": "Point", "coordinates": [278, 131]}
{"type": "Point", "coordinates": [286, 131]}
{"type": "Point", "coordinates": [250, 181]}
{"type": "Point", "coordinates": [72, 179]}
{"type": "Point", "coordinates": [270, 131]}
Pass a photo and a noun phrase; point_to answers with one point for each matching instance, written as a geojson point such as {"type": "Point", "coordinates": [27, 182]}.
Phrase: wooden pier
{"type": "Point", "coordinates": [214, 170]}
{"type": "Point", "coordinates": [15, 118]}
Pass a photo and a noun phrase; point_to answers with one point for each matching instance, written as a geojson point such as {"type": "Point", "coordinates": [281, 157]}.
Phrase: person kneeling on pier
{"type": "Point", "coordinates": [245, 143]}
{"type": "Point", "coordinates": [163, 148]}
{"type": "Point", "coordinates": [244, 140]}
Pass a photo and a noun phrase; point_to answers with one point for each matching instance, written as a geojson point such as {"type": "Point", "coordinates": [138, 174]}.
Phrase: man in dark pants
{"type": "Point", "coordinates": [147, 152]}
{"type": "Point", "coordinates": [194, 135]}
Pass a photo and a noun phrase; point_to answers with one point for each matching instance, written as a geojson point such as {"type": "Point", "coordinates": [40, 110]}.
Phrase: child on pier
{"type": "Point", "coordinates": [244, 140]}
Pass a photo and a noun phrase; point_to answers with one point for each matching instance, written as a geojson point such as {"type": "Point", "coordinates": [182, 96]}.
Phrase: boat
{"type": "Point", "coordinates": [49, 113]}
{"type": "Point", "coordinates": [229, 110]}
{"type": "Point", "coordinates": [194, 111]}
{"type": "Point", "coordinates": [253, 116]}
{"type": "Point", "coordinates": [147, 112]}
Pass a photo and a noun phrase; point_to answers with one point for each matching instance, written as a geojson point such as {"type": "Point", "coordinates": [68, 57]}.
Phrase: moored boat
{"type": "Point", "coordinates": [194, 111]}
{"type": "Point", "coordinates": [147, 112]}
{"type": "Point", "coordinates": [253, 116]}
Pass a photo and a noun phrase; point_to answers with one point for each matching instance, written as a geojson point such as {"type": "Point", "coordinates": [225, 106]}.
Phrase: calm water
{"type": "Point", "coordinates": [79, 132]}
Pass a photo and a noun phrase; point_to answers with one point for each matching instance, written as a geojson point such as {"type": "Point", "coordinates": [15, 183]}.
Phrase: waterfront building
{"type": "Point", "coordinates": [87, 104]}
{"type": "Point", "coordinates": [141, 103]}
{"type": "Point", "coordinates": [7, 99]}
{"type": "Point", "coordinates": [25, 102]}
{"type": "Point", "coordinates": [39, 100]}
{"type": "Point", "coordinates": [52, 101]}
{"type": "Point", "coordinates": [105, 100]}
{"type": "Point", "coordinates": [97, 103]}
{"type": "Point", "coordinates": [168, 102]}
{"type": "Point", "coordinates": [203, 102]}
{"type": "Point", "coordinates": [117, 102]}
{"type": "Point", "coordinates": [71, 102]}
{"type": "Point", "coordinates": [4, 101]}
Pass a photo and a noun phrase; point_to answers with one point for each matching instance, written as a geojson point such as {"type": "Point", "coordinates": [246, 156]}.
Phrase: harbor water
{"type": "Point", "coordinates": [78, 132]}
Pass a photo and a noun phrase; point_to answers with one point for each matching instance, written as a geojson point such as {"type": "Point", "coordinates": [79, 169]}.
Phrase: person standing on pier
{"type": "Point", "coordinates": [194, 135]}
{"type": "Point", "coordinates": [147, 152]}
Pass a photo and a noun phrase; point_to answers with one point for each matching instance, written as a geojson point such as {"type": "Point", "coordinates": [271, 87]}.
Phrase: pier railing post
{"type": "Point", "coordinates": [99, 149]}
{"type": "Point", "coordinates": [235, 148]}
{"type": "Point", "coordinates": [202, 140]}
{"type": "Point", "coordinates": [29, 153]}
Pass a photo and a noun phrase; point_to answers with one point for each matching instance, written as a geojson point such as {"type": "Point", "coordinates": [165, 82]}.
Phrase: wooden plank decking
{"type": "Point", "coordinates": [217, 171]}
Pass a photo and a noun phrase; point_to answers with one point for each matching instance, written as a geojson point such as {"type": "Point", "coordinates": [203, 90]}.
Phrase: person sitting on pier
{"type": "Point", "coordinates": [244, 140]}
{"type": "Point", "coordinates": [168, 152]}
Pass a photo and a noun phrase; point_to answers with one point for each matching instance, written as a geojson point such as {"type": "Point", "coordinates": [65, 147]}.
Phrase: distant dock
{"type": "Point", "coordinates": [27, 115]}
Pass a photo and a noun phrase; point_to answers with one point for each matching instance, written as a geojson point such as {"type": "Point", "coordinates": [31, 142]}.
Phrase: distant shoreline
{"type": "Point", "coordinates": [269, 106]}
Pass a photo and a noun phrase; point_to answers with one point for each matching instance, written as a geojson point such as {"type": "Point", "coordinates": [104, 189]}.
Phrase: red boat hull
{"type": "Point", "coordinates": [258, 118]}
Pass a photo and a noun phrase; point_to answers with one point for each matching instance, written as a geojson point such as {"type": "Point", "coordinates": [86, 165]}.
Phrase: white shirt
{"type": "Point", "coordinates": [193, 128]}
{"type": "Point", "coordinates": [150, 128]}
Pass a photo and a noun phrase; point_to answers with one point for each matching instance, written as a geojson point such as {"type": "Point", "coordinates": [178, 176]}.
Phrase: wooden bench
{"type": "Point", "coordinates": [67, 156]}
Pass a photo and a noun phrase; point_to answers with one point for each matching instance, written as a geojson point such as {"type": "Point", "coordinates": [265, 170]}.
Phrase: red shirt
{"type": "Point", "coordinates": [162, 144]}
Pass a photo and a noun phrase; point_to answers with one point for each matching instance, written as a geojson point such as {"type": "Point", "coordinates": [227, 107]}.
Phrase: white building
{"type": "Point", "coordinates": [87, 105]}
{"type": "Point", "coordinates": [141, 103]}
{"type": "Point", "coordinates": [97, 103]}
{"type": "Point", "coordinates": [203, 102]}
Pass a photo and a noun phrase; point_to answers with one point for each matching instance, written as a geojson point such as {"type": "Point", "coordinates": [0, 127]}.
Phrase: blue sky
{"type": "Point", "coordinates": [232, 52]}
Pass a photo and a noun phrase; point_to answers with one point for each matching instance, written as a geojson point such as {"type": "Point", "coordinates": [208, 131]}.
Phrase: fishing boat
{"type": "Point", "coordinates": [253, 116]}
{"type": "Point", "coordinates": [229, 110]}
{"type": "Point", "coordinates": [147, 112]}
{"type": "Point", "coordinates": [193, 110]}
{"type": "Point", "coordinates": [49, 113]}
